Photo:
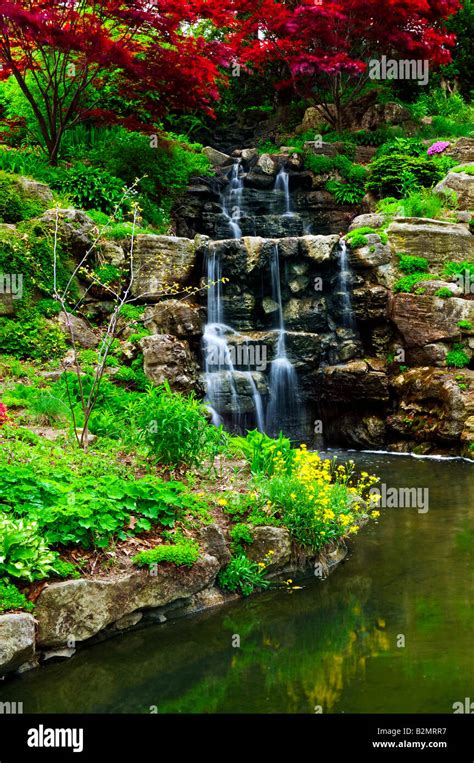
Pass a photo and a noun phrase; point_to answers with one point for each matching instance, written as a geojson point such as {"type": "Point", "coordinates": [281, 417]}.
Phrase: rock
{"type": "Point", "coordinates": [370, 302]}
{"type": "Point", "coordinates": [371, 256]}
{"type": "Point", "coordinates": [319, 148]}
{"type": "Point", "coordinates": [17, 641]}
{"type": "Point", "coordinates": [217, 158]}
{"type": "Point", "coordinates": [249, 154]}
{"type": "Point", "coordinates": [436, 240]}
{"type": "Point", "coordinates": [267, 164]}
{"type": "Point", "coordinates": [384, 113]}
{"type": "Point", "coordinates": [355, 380]}
{"type": "Point", "coordinates": [113, 253]}
{"type": "Point", "coordinates": [318, 248]}
{"type": "Point", "coordinates": [35, 190]}
{"type": "Point", "coordinates": [77, 331]}
{"type": "Point", "coordinates": [430, 287]}
{"type": "Point", "coordinates": [213, 541]}
{"type": "Point", "coordinates": [7, 305]}
{"type": "Point", "coordinates": [173, 316]}
{"type": "Point", "coordinates": [354, 430]}
{"type": "Point", "coordinates": [128, 621]}
{"type": "Point", "coordinates": [372, 220]}
{"type": "Point", "coordinates": [160, 262]}
{"type": "Point", "coordinates": [76, 229]}
{"type": "Point", "coordinates": [462, 184]}
{"type": "Point", "coordinates": [167, 358]}
{"type": "Point", "coordinates": [462, 151]}
{"type": "Point", "coordinates": [272, 545]}
{"type": "Point", "coordinates": [431, 406]}
{"type": "Point", "coordinates": [364, 154]}
{"type": "Point", "coordinates": [306, 314]}
{"type": "Point", "coordinates": [64, 653]}
{"type": "Point", "coordinates": [80, 609]}
{"type": "Point", "coordinates": [423, 320]}
{"type": "Point", "coordinates": [313, 119]}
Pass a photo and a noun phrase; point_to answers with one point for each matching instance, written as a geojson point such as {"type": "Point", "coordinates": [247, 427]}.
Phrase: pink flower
{"type": "Point", "coordinates": [438, 147]}
{"type": "Point", "coordinates": [3, 413]}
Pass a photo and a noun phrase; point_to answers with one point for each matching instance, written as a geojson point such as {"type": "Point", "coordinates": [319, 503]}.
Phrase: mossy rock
{"type": "Point", "coordinates": [21, 198]}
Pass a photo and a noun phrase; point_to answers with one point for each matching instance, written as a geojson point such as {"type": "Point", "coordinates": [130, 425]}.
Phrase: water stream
{"type": "Point", "coordinates": [282, 185]}
{"type": "Point", "coordinates": [334, 644]}
{"type": "Point", "coordinates": [344, 280]}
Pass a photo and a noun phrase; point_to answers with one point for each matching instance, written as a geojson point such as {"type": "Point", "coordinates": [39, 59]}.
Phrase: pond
{"type": "Point", "coordinates": [389, 631]}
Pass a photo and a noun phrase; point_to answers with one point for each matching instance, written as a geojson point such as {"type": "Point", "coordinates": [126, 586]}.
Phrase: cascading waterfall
{"type": "Point", "coordinates": [231, 199]}
{"type": "Point", "coordinates": [344, 274]}
{"type": "Point", "coordinates": [283, 382]}
{"type": "Point", "coordinates": [282, 184]}
{"type": "Point", "coordinates": [218, 364]}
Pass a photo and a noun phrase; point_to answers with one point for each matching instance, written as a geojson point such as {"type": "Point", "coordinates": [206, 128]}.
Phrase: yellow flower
{"type": "Point", "coordinates": [222, 502]}
{"type": "Point", "coordinates": [293, 496]}
{"type": "Point", "coordinates": [354, 529]}
{"type": "Point", "coordinates": [375, 514]}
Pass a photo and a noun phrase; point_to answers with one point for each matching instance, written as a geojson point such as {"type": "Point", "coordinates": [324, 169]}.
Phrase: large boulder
{"type": "Point", "coordinates": [167, 358]}
{"type": "Point", "coordinates": [432, 407]}
{"type": "Point", "coordinates": [75, 610]}
{"type": "Point", "coordinates": [217, 158]}
{"type": "Point", "coordinates": [318, 249]}
{"type": "Point", "coordinates": [75, 228]}
{"type": "Point", "coordinates": [462, 151]}
{"type": "Point", "coordinates": [356, 380]}
{"type": "Point", "coordinates": [162, 265]}
{"type": "Point", "coordinates": [271, 545]}
{"type": "Point", "coordinates": [35, 190]}
{"type": "Point", "coordinates": [17, 641]}
{"type": "Point", "coordinates": [462, 184]}
{"type": "Point", "coordinates": [77, 331]}
{"type": "Point", "coordinates": [422, 320]}
{"type": "Point", "coordinates": [173, 316]}
{"type": "Point", "coordinates": [436, 240]}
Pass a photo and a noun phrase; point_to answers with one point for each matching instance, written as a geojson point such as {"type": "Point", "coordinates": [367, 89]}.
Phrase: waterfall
{"type": "Point", "coordinates": [231, 199]}
{"type": "Point", "coordinates": [344, 274]}
{"type": "Point", "coordinates": [219, 366]}
{"type": "Point", "coordinates": [283, 382]}
{"type": "Point", "coordinates": [282, 185]}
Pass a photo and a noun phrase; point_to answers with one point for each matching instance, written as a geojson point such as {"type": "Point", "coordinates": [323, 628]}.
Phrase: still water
{"type": "Point", "coordinates": [336, 644]}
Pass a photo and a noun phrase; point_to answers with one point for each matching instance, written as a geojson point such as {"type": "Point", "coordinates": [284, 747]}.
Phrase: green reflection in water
{"type": "Point", "coordinates": [334, 644]}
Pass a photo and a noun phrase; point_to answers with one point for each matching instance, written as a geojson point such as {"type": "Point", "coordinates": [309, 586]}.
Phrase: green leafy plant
{"type": "Point", "coordinates": [243, 575]}
{"type": "Point", "coordinates": [443, 293]}
{"type": "Point", "coordinates": [407, 283]}
{"type": "Point", "coordinates": [240, 533]}
{"type": "Point", "coordinates": [410, 264]}
{"type": "Point", "coordinates": [263, 453]}
{"type": "Point", "coordinates": [24, 553]}
{"type": "Point", "coordinates": [464, 325]}
{"type": "Point", "coordinates": [184, 553]}
{"type": "Point", "coordinates": [94, 188]}
{"type": "Point", "coordinates": [457, 357]}
{"type": "Point", "coordinates": [12, 598]}
{"type": "Point", "coordinates": [388, 174]}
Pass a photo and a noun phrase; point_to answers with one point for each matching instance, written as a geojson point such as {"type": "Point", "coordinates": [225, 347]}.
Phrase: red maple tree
{"type": "Point", "coordinates": [325, 45]}
{"type": "Point", "coordinates": [63, 53]}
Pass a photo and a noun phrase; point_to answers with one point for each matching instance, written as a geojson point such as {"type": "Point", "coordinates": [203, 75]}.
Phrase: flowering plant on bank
{"type": "Point", "coordinates": [3, 414]}
{"type": "Point", "coordinates": [438, 147]}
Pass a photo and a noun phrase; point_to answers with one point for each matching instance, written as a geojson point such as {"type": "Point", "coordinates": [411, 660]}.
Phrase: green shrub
{"type": "Point", "coordinates": [387, 174]}
{"type": "Point", "coordinates": [423, 203]}
{"type": "Point", "coordinates": [410, 264]}
{"type": "Point", "coordinates": [453, 269]}
{"type": "Point", "coordinates": [263, 453]}
{"type": "Point", "coordinates": [12, 598]}
{"type": "Point", "coordinates": [241, 574]}
{"type": "Point", "coordinates": [93, 188]}
{"type": "Point", "coordinates": [29, 335]}
{"type": "Point", "coordinates": [63, 569]}
{"type": "Point", "coordinates": [467, 168]}
{"type": "Point", "coordinates": [107, 274]}
{"type": "Point", "coordinates": [464, 325]}
{"type": "Point", "coordinates": [24, 554]}
{"type": "Point", "coordinates": [345, 193]}
{"type": "Point", "coordinates": [15, 203]}
{"type": "Point", "coordinates": [318, 163]}
{"type": "Point", "coordinates": [175, 428]}
{"type": "Point", "coordinates": [48, 307]}
{"type": "Point", "coordinates": [443, 293]}
{"type": "Point", "coordinates": [407, 146]}
{"type": "Point", "coordinates": [240, 533]}
{"type": "Point", "coordinates": [407, 283]}
{"type": "Point", "coordinates": [457, 357]}
{"type": "Point", "coordinates": [184, 553]}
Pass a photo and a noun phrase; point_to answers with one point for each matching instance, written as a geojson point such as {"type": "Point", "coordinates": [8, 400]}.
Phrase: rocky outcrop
{"type": "Point", "coordinates": [436, 240]}
{"type": "Point", "coordinates": [75, 228]}
{"type": "Point", "coordinates": [462, 151]}
{"type": "Point", "coordinates": [422, 320]}
{"type": "Point", "coordinates": [167, 358]}
{"type": "Point", "coordinates": [462, 184]}
{"type": "Point", "coordinates": [17, 641]}
{"type": "Point", "coordinates": [356, 380]}
{"type": "Point", "coordinates": [77, 331]}
{"type": "Point", "coordinates": [76, 610]}
{"type": "Point", "coordinates": [173, 316]}
{"type": "Point", "coordinates": [162, 264]}
{"type": "Point", "coordinates": [271, 545]}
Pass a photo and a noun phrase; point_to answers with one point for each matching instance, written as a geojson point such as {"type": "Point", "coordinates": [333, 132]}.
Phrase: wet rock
{"type": "Point", "coordinates": [352, 429]}
{"type": "Point", "coordinates": [356, 380]}
{"type": "Point", "coordinates": [271, 545]}
{"type": "Point", "coordinates": [371, 256]}
{"type": "Point", "coordinates": [17, 641]}
{"type": "Point", "coordinates": [167, 358]}
{"type": "Point", "coordinates": [370, 302]}
{"type": "Point", "coordinates": [436, 240]}
{"type": "Point", "coordinates": [463, 186]}
{"type": "Point", "coordinates": [249, 154]}
{"type": "Point", "coordinates": [306, 314]}
{"type": "Point", "coordinates": [77, 331]}
{"type": "Point", "coordinates": [173, 316]}
{"type": "Point", "coordinates": [79, 609]}
{"type": "Point", "coordinates": [431, 406]}
{"type": "Point", "coordinates": [267, 164]}
{"type": "Point", "coordinates": [217, 158]}
{"type": "Point", "coordinates": [160, 262]}
{"type": "Point", "coordinates": [319, 248]}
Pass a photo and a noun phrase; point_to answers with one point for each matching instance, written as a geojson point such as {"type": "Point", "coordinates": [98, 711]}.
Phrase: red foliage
{"type": "Point", "coordinates": [3, 414]}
